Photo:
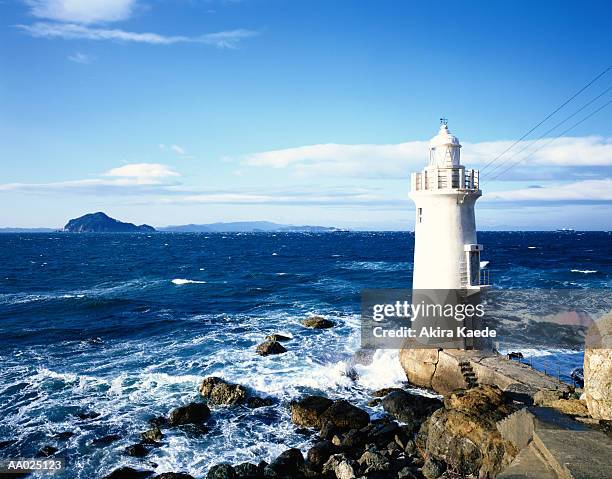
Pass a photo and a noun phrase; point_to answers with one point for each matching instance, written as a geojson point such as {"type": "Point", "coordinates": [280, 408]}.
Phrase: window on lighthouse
{"type": "Point", "coordinates": [420, 215]}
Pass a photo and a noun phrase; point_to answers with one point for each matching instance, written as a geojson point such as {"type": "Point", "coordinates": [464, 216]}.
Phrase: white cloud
{"type": "Point", "coordinates": [396, 160]}
{"type": "Point", "coordinates": [579, 191]}
{"type": "Point", "coordinates": [73, 31]}
{"type": "Point", "coordinates": [143, 171]}
{"type": "Point", "coordinates": [179, 149]}
{"type": "Point", "coordinates": [82, 11]}
{"type": "Point", "coordinates": [81, 58]}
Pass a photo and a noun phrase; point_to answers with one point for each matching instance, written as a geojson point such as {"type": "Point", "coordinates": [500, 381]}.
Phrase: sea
{"type": "Point", "coordinates": [99, 333]}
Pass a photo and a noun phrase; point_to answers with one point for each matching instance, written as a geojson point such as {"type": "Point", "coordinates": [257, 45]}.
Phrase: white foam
{"type": "Point", "coordinates": [180, 281]}
{"type": "Point", "coordinates": [584, 271]}
{"type": "Point", "coordinates": [531, 247]}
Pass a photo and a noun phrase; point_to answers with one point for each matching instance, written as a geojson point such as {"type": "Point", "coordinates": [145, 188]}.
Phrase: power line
{"type": "Point", "coordinates": [555, 138]}
{"type": "Point", "coordinates": [547, 117]}
{"type": "Point", "coordinates": [529, 145]}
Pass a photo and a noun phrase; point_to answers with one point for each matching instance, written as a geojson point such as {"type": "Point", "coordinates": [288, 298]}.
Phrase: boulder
{"type": "Point", "coordinates": [318, 454]}
{"type": "Point", "coordinates": [152, 435]}
{"type": "Point", "coordinates": [222, 471]}
{"type": "Point", "coordinates": [289, 463]}
{"type": "Point", "coordinates": [137, 450]}
{"type": "Point", "coordinates": [220, 392]}
{"type": "Point", "coordinates": [192, 413]}
{"type": "Point", "coordinates": [571, 407]}
{"type": "Point", "coordinates": [408, 407]}
{"type": "Point", "coordinates": [340, 466]}
{"type": "Point", "coordinates": [317, 322]}
{"type": "Point", "coordinates": [308, 411]}
{"type": "Point", "coordinates": [270, 347]}
{"type": "Point", "coordinates": [344, 415]}
{"type": "Point", "coordinates": [433, 469]}
{"type": "Point", "coordinates": [105, 440]}
{"type": "Point", "coordinates": [128, 473]}
{"type": "Point", "coordinates": [464, 434]}
{"type": "Point", "coordinates": [246, 470]}
{"type": "Point", "coordinates": [277, 337]}
{"type": "Point", "coordinates": [598, 382]}
{"type": "Point", "coordinates": [371, 461]}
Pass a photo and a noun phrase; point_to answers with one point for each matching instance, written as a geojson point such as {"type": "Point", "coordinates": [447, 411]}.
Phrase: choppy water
{"type": "Point", "coordinates": [127, 325]}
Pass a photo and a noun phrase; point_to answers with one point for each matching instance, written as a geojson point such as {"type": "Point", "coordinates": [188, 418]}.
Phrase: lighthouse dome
{"type": "Point", "coordinates": [444, 138]}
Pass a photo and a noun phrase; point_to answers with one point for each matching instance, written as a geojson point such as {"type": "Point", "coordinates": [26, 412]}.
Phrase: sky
{"type": "Point", "coordinates": [170, 112]}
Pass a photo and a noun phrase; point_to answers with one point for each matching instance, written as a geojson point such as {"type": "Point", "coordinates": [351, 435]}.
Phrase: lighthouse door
{"type": "Point", "coordinates": [474, 268]}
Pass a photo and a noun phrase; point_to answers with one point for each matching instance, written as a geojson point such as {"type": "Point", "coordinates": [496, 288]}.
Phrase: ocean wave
{"type": "Point", "coordinates": [584, 271]}
{"type": "Point", "coordinates": [181, 281]}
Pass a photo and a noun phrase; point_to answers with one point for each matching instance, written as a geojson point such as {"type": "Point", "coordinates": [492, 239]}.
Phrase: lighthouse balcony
{"type": "Point", "coordinates": [458, 179]}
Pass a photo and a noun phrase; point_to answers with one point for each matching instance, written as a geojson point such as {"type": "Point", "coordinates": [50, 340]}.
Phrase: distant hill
{"type": "Point", "coordinates": [102, 223]}
{"type": "Point", "coordinates": [246, 227]}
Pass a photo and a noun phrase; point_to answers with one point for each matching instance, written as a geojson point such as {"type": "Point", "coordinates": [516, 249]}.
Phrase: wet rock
{"type": "Point", "coordinates": [319, 454]}
{"type": "Point", "coordinates": [328, 430]}
{"type": "Point", "coordinates": [128, 473]}
{"type": "Point", "coordinates": [222, 471]}
{"type": "Point", "coordinates": [137, 450]}
{"type": "Point", "coordinates": [105, 440]}
{"type": "Point", "coordinates": [308, 411]}
{"type": "Point", "coordinates": [381, 393]}
{"type": "Point", "coordinates": [173, 475]}
{"type": "Point", "coordinates": [406, 473]}
{"type": "Point", "coordinates": [47, 451]}
{"type": "Point", "coordinates": [60, 436]}
{"type": "Point", "coordinates": [433, 469]}
{"type": "Point", "coordinates": [246, 470]}
{"type": "Point", "coordinates": [220, 392]}
{"type": "Point", "coordinates": [192, 413]}
{"type": "Point", "coordinates": [372, 461]}
{"type": "Point", "coordinates": [257, 402]}
{"type": "Point", "coordinates": [408, 407]}
{"type": "Point", "coordinates": [340, 466]}
{"type": "Point", "coordinates": [278, 337]}
{"type": "Point", "coordinates": [344, 415]}
{"type": "Point", "coordinates": [268, 348]}
{"type": "Point", "coordinates": [87, 415]}
{"type": "Point", "coordinates": [290, 463]}
{"type": "Point", "coordinates": [152, 435]}
{"type": "Point", "coordinates": [317, 322]}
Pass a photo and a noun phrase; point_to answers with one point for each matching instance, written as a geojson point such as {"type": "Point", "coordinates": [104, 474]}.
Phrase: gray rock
{"type": "Point", "coordinates": [344, 415]}
{"type": "Point", "coordinates": [268, 348]}
{"type": "Point", "coordinates": [137, 450]}
{"type": "Point", "coordinates": [174, 475]}
{"type": "Point", "coordinates": [128, 473]}
{"type": "Point", "coordinates": [373, 462]}
{"type": "Point", "coordinates": [433, 469]}
{"type": "Point", "coordinates": [278, 337]}
{"type": "Point", "coordinates": [308, 411]}
{"type": "Point", "coordinates": [317, 322]}
{"type": "Point", "coordinates": [152, 435]}
{"type": "Point", "coordinates": [340, 466]}
{"type": "Point", "coordinates": [289, 463]}
{"type": "Point", "coordinates": [217, 391]}
{"type": "Point", "coordinates": [320, 453]}
{"type": "Point", "coordinates": [222, 471]}
{"type": "Point", "coordinates": [192, 413]}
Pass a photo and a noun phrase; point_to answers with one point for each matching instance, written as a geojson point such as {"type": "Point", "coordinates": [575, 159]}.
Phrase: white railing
{"type": "Point", "coordinates": [446, 178]}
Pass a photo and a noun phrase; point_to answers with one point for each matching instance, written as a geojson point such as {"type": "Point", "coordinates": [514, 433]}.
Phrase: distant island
{"type": "Point", "coordinates": [247, 227]}
{"type": "Point", "coordinates": [102, 223]}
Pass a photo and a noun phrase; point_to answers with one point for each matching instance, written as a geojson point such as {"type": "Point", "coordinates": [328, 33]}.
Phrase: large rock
{"type": "Point", "coordinates": [192, 413]}
{"type": "Point", "coordinates": [598, 369]}
{"type": "Point", "coordinates": [343, 415]}
{"type": "Point", "coordinates": [317, 322]}
{"type": "Point", "coordinates": [340, 466]}
{"type": "Point", "coordinates": [220, 392]}
{"type": "Point", "coordinates": [221, 471]}
{"type": "Point", "coordinates": [128, 473]}
{"type": "Point", "coordinates": [290, 463]}
{"type": "Point", "coordinates": [320, 453]}
{"type": "Point", "coordinates": [464, 435]}
{"type": "Point", "coordinates": [307, 412]}
{"type": "Point", "coordinates": [408, 407]}
{"type": "Point", "coordinates": [270, 347]}
{"type": "Point", "coordinates": [173, 475]}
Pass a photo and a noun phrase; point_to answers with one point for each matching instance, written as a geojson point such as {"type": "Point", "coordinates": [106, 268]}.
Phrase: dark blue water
{"type": "Point", "coordinates": [127, 325]}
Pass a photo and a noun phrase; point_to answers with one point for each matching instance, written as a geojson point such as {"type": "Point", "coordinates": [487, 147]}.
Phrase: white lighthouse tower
{"type": "Point", "coordinates": [446, 252]}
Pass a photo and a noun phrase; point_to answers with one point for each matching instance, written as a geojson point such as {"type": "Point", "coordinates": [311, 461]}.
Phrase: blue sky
{"type": "Point", "coordinates": [188, 111]}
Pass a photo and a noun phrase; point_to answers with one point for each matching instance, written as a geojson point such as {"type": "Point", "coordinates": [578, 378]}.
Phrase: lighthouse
{"type": "Point", "coordinates": [446, 252]}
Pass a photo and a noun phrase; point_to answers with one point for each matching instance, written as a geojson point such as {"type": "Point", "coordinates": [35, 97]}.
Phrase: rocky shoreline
{"type": "Point", "coordinates": [416, 436]}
